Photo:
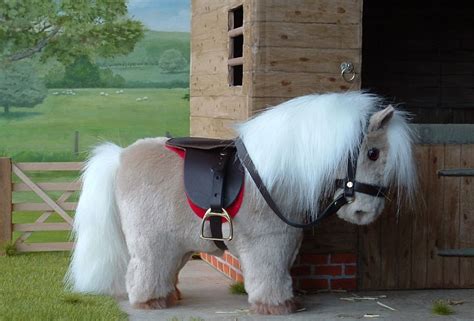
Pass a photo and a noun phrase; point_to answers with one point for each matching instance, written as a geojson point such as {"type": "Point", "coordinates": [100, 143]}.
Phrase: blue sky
{"type": "Point", "coordinates": [163, 15]}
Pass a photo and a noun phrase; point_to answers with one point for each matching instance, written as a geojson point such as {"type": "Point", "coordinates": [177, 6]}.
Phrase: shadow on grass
{"type": "Point", "coordinates": [18, 115]}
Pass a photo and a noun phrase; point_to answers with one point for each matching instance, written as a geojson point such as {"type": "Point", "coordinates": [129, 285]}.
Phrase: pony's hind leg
{"type": "Point", "coordinates": [151, 275]}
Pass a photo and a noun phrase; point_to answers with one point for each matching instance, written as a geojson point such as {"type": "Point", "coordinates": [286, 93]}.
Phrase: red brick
{"type": "Point", "coordinates": [301, 271]}
{"type": "Point", "coordinates": [313, 284]}
{"type": "Point", "coordinates": [214, 261]}
{"type": "Point", "coordinates": [350, 269]}
{"type": "Point", "coordinates": [220, 266]}
{"type": "Point", "coordinates": [328, 270]}
{"type": "Point", "coordinates": [226, 269]}
{"type": "Point", "coordinates": [233, 275]}
{"type": "Point", "coordinates": [343, 258]}
{"type": "Point", "coordinates": [344, 284]}
{"type": "Point", "coordinates": [228, 258]}
{"type": "Point", "coordinates": [239, 277]}
{"type": "Point", "coordinates": [314, 259]}
{"type": "Point", "coordinates": [236, 263]}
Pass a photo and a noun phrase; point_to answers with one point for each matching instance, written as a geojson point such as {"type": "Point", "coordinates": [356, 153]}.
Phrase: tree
{"type": "Point", "coordinates": [82, 73]}
{"type": "Point", "coordinates": [66, 29]}
{"type": "Point", "coordinates": [20, 86]}
{"type": "Point", "coordinates": [172, 61]}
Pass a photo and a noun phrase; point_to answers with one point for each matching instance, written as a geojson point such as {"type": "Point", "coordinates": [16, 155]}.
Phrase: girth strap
{"type": "Point", "coordinates": [217, 198]}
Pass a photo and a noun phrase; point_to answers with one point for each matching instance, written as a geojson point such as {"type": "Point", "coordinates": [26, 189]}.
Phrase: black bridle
{"type": "Point", "coordinates": [349, 184]}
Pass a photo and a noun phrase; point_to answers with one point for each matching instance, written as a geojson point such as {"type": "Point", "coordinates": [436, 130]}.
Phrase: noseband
{"type": "Point", "coordinates": [349, 184]}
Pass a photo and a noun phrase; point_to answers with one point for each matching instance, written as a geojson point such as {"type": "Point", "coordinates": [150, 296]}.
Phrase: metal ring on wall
{"type": "Point", "coordinates": [347, 71]}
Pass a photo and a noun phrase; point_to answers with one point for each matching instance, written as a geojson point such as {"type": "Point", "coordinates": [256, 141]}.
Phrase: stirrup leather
{"type": "Point", "coordinates": [223, 215]}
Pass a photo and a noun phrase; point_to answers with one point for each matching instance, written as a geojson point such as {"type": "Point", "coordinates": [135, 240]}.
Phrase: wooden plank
{"type": "Point", "coordinates": [209, 62]}
{"type": "Point", "coordinates": [56, 166]}
{"type": "Point", "coordinates": [258, 104]}
{"type": "Point", "coordinates": [466, 228]}
{"type": "Point", "coordinates": [27, 207]}
{"type": "Point", "coordinates": [308, 11]}
{"type": "Point", "coordinates": [216, 85]}
{"type": "Point", "coordinates": [5, 200]}
{"type": "Point", "coordinates": [292, 60]}
{"type": "Point", "coordinates": [220, 107]}
{"type": "Point", "coordinates": [388, 253]}
{"type": "Point", "coordinates": [370, 260]}
{"type": "Point", "coordinates": [33, 227]}
{"type": "Point", "coordinates": [451, 215]}
{"type": "Point", "coordinates": [309, 35]}
{"type": "Point", "coordinates": [67, 186]}
{"type": "Point", "coordinates": [404, 245]}
{"type": "Point", "coordinates": [283, 84]}
{"type": "Point", "coordinates": [38, 191]}
{"type": "Point", "coordinates": [212, 127]}
{"type": "Point", "coordinates": [420, 221]}
{"type": "Point", "coordinates": [435, 226]}
{"type": "Point", "coordinates": [44, 247]}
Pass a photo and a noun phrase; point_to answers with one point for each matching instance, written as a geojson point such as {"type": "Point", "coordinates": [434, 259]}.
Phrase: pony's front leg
{"type": "Point", "coordinates": [266, 263]}
{"type": "Point", "coordinates": [152, 273]}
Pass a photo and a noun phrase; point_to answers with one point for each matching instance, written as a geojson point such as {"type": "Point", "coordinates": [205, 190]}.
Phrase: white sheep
{"type": "Point", "coordinates": [138, 99]}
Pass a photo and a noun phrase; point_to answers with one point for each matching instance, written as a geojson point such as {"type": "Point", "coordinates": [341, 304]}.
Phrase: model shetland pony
{"type": "Point", "coordinates": [134, 230]}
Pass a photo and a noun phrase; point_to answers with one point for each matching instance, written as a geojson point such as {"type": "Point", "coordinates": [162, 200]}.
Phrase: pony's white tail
{"type": "Point", "coordinates": [100, 256]}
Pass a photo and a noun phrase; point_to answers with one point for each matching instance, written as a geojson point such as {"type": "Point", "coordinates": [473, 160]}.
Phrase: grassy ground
{"type": "Point", "coordinates": [48, 129]}
{"type": "Point", "coordinates": [32, 289]}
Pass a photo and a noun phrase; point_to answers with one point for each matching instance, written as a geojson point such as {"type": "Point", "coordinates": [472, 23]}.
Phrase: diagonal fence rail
{"type": "Point", "coordinates": [17, 178]}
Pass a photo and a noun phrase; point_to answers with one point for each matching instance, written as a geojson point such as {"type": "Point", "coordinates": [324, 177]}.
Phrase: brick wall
{"type": "Point", "coordinates": [310, 271]}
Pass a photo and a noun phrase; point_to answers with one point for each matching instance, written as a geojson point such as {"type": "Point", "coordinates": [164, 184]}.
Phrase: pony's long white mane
{"type": "Point", "coordinates": [300, 146]}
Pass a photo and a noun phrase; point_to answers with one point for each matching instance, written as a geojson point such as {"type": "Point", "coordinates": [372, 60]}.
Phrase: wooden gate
{"type": "Point", "coordinates": [402, 253]}
{"type": "Point", "coordinates": [19, 181]}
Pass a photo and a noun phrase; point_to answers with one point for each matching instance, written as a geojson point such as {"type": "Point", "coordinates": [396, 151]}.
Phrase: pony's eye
{"type": "Point", "coordinates": [373, 154]}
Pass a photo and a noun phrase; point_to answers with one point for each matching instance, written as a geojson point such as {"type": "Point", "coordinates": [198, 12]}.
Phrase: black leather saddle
{"type": "Point", "coordinates": [213, 178]}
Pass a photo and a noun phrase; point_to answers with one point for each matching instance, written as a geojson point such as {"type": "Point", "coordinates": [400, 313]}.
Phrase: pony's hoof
{"type": "Point", "coordinates": [289, 306]}
{"type": "Point", "coordinates": [155, 304]}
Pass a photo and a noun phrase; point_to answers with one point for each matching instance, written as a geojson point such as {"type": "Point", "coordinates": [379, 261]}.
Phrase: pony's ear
{"type": "Point", "coordinates": [380, 119]}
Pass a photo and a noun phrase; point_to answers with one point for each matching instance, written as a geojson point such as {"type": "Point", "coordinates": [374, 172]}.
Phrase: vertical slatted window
{"type": "Point", "coordinates": [236, 46]}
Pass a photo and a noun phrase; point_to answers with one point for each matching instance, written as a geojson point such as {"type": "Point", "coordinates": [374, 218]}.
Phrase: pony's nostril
{"type": "Point", "coordinates": [360, 212]}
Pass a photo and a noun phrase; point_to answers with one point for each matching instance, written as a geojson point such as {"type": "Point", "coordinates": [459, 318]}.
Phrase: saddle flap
{"type": "Point", "coordinates": [198, 175]}
{"type": "Point", "coordinates": [199, 143]}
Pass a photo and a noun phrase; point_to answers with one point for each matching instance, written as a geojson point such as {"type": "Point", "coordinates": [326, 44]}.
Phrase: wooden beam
{"type": "Point", "coordinates": [5, 200]}
{"type": "Point", "coordinates": [57, 166]}
{"type": "Point", "coordinates": [27, 207]}
{"type": "Point", "coordinates": [68, 186]}
{"type": "Point", "coordinates": [33, 227]}
{"type": "Point", "coordinates": [41, 247]}
{"type": "Point", "coordinates": [236, 61]}
{"type": "Point", "coordinates": [236, 32]}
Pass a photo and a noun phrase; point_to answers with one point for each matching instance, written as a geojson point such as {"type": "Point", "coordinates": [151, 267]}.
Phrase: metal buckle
{"type": "Point", "coordinates": [224, 215]}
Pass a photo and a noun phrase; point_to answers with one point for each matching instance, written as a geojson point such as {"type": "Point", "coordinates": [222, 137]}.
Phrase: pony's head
{"type": "Point", "coordinates": [378, 165]}
{"type": "Point", "coordinates": [302, 146]}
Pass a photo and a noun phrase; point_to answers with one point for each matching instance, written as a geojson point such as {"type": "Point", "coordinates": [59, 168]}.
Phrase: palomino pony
{"type": "Point", "coordinates": [134, 230]}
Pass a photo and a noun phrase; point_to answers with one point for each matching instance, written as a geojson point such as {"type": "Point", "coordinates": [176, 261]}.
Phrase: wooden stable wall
{"type": "Point", "coordinates": [299, 47]}
{"type": "Point", "coordinates": [401, 252]}
{"type": "Point", "coordinates": [216, 106]}
{"type": "Point", "coordinates": [291, 48]}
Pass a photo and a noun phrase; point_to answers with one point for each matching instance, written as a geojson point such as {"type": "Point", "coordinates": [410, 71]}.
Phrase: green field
{"type": "Point", "coordinates": [48, 129]}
